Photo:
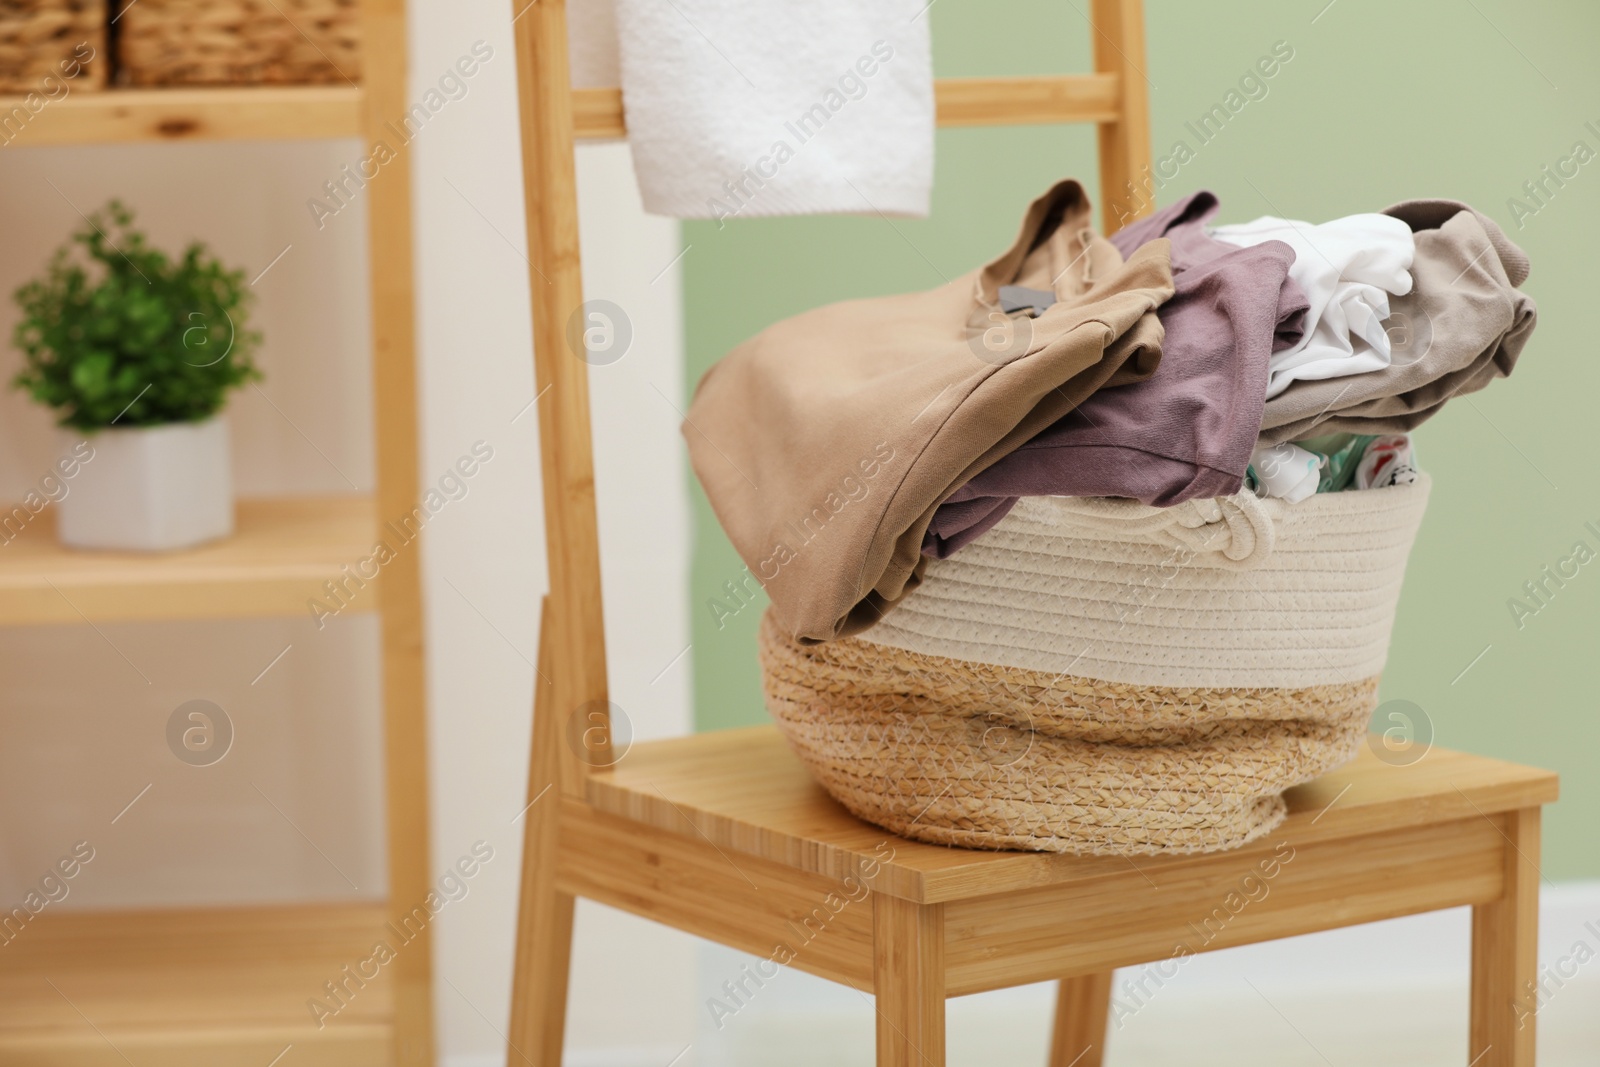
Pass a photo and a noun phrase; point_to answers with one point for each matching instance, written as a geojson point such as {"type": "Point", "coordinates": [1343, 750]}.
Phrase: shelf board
{"type": "Point", "coordinates": [193, 988]}
{"type": "Point", "coordinates": [281, 552]}
{"type": "Point", "coordinates": [223, 113]}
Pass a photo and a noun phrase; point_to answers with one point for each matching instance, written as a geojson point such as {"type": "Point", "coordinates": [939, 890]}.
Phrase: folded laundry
{"type": "Point", "coordinates": [1188, 430]}
{"type": "Point", "coordinates": [1348, 268]}
{"type": "Point", "coordinates": [1462, 325]}
{"type": "Point", "coordinates": [924, 390]}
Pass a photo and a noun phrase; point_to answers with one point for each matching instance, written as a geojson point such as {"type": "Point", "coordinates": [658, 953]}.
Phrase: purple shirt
{"type": "Point", "coordinates": [1188, 430]}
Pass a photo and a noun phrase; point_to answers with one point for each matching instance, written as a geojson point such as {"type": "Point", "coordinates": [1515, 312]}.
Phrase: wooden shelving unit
{"type": "Point", "coordinates": [208, 987]}
{"type": "Point", "coordinates": [194, 988]}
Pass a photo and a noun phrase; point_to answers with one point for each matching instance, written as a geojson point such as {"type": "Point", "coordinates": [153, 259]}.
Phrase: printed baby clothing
{"type": "Point", "coordinates": [1386, 461]}
{"type": "Point", "coordinates": [826, 442]}
{"type": "Point", "coordinates": [1462, 325]}
{"type": "Point", "coordinates": [1188, 430]}
{"type": "Point", "coordinates": [1348, 269]}
{"type": "Point", "coordinates": [1341, 453]}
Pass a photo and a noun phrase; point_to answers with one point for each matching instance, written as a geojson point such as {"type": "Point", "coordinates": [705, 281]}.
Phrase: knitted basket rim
{"type": "Point", "coordinates": [1237, 592]}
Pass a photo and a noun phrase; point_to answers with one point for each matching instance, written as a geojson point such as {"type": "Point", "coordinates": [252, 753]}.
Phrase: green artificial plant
{"type": "Point", "coordinates": [123, 334]}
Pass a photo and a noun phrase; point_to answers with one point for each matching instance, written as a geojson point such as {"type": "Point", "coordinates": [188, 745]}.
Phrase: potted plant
{"type": "Point", "coordinates": [139, 351]}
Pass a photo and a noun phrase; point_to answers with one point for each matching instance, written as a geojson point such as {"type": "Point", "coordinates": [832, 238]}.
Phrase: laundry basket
{"type": "Point", "coordinates": [1099, 676]}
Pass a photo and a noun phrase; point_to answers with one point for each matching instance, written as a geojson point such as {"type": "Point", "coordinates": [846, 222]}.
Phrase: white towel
{"type": "Point", "coordinates": [1348, 268]}
{"type": "Point", "coordinates": [738, 108]}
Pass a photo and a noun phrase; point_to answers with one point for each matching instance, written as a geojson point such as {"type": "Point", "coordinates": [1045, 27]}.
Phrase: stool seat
{"type": "Point", "coordinates": [745, 792]}
{"type": "Point", "coordinates": [724, 835]}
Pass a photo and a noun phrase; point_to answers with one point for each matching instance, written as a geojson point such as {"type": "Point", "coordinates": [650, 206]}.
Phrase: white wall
{"type": "Point", "coordinates": [484, 563]}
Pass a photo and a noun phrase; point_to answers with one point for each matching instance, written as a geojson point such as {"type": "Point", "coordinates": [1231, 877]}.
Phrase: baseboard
{"type": "Point", "coordinates": [638, 1056]}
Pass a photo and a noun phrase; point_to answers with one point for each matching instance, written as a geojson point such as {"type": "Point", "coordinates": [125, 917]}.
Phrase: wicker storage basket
{"type": "Point", "coordinates": [42, 39]}
{"type": "Point", "coordinates": [1098, 676]}
{"type": "Point", "coordinates": [238, 42]}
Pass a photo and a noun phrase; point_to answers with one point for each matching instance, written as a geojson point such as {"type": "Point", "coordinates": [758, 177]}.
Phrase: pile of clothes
{"type": "Point", "coordinates": [1175, 360]}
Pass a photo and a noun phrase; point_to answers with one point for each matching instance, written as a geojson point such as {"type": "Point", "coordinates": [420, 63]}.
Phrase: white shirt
{"type": "Point", "coordinates": [1348, 269]}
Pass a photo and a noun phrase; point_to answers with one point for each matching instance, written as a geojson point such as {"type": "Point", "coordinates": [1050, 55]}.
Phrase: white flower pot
{"type": "Point", "coordinates": [150, 488]}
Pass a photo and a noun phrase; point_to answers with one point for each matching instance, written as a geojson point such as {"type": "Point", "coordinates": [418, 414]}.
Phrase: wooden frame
{"type": "Point", "coordinates": [724, 835]}
{"type": "Point", "coordinates": [247, 999]}
{"type": "Point", "coordinates": [394, 374]}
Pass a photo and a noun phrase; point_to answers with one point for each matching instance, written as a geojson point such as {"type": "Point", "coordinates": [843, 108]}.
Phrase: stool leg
{"type": "Point", "coordinates": [908, 977]}
{"type": "Point", "coordinates": [1505, 936]}
{"type": "Point", "coordinates": [539, 996]}
{"type": "Point", "coordinates": [1083, 1008]}
{"type": "Point", "coordinates": [544, 913]}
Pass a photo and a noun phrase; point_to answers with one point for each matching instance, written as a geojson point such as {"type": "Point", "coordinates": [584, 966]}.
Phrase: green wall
{"type": "Point", "coordinates": [1381, 102]}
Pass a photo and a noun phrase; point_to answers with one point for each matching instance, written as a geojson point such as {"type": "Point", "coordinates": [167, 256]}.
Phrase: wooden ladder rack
{"type": "Point", "coordinates": [726, 836]}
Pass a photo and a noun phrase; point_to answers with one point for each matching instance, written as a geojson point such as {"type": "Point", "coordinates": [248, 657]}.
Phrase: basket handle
{"type": "Point", "coordinates": [1239, 529]}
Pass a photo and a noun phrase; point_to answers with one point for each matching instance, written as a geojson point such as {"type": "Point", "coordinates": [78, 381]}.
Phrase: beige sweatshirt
{"type": "Point", "coordinates": [826, 442]}
{"type": "Point", "coordinates": [1462, 325]}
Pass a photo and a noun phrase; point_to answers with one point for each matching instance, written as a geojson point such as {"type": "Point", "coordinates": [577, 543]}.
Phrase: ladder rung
{"type": "Point", "coordinates": [597, 113]}
{"type": "Point", "coordinates": [1028, 101]}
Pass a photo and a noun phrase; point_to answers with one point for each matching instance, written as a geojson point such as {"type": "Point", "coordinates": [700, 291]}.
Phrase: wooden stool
{"type": "Point", "coordinates": [725, 835]}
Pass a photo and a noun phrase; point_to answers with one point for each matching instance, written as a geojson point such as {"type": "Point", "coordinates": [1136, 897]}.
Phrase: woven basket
{"type": "Point", "coordinates": [239, 42]}
{"type": "Point", "coordinates": [1097, 676]}
{"type": "Point", "coordinates": [52, 39]}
